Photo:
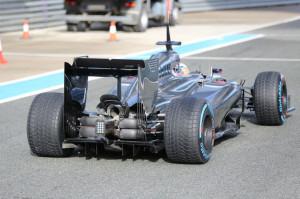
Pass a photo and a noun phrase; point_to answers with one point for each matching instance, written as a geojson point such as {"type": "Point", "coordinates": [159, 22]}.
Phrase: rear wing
{"type": "Point", "coordinates": [84, 66]}
{"type": "Point", "coordinates": [76, 78]}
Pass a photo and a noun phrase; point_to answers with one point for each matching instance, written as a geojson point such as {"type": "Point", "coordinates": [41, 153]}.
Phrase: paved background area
{"type": "Point", "coordinates": [48, 49]}
{"type": "Point", "coordinates": [262, 162]}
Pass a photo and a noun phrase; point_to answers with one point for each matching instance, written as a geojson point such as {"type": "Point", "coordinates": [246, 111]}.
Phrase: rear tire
{"type": "Point", "coordinates": [189, 133]}
{"type": "Point", "coordinates": [270, 98]}
{"type": "Point", "coordinates": [45, 131]}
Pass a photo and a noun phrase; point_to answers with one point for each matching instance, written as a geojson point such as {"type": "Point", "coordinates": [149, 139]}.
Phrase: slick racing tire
{"type": "Point", "coordinates": [189, 133]}
{"type": "Point", "coordinates": [45, 131]}
{"type": "Point", "coordinates": [270, 98]}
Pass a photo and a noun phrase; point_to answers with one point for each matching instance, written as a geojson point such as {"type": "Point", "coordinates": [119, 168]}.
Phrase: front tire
{"type": "Point", "coordinates": [270, 98]}
{"type": "Point", "coordinates": [189, 132]}
{"type": "Point", "coordinates": [45, 131]}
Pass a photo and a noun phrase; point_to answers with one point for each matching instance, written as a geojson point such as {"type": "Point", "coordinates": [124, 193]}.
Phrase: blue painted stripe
{"type": "Point", "coordinates": [56, 79]}
{"type": "Point", "coordinates": [28, 86]}
{"type": "Point", "coordinates": [204, 44]}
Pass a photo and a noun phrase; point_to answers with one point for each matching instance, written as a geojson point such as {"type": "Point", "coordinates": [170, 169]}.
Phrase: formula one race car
{"type": "Point", "coordinates": [157, 104]}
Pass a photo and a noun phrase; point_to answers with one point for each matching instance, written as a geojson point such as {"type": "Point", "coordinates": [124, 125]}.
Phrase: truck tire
{"type": "Point", "coordinates": [128, 28]}
{"type": "Point", "coordinates": [45, 131]}
{"type": "Point", "coordinates": [270, 98]}
{"type": "Point", "coordinates": [189, 133]}
{"type": "Point", "coordinates": [174, 18]}
{"type": "Point", "coordinates": [142, 22]}
{"type": "Point", "coordinates": [82, 26]}
{"type": "Point", "coordinates": [71, 28]}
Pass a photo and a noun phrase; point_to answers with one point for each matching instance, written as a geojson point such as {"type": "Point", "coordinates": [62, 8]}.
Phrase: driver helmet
{"type": "Point", "coordinates": [181, 70]}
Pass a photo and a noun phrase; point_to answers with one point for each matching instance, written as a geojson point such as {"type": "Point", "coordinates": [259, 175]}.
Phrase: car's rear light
{"type": "Point", "coordinates": [71, 2]}
{"type": "Point", "coordinates": [130, 4]}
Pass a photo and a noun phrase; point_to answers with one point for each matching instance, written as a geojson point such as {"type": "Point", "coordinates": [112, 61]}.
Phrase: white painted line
{"type": "Point", "coordinates": [226, 34]}
{"type": "Point", "coordinates": [244, 59]}
{"type": "Point", "coordinates": [284, 36]}
{"type": "Point", "coordinates": [246, 30]}
{"type": "Point", "coordinates": [199, 40]}
{"type": "Point", "coordinates": [267, 25]}
{"type": "Point", "coordinates": [31, 77]}
{"type": "Point", "coordinates": [275, 23]}
{"type": "Point", "coordinates": [31, 93]}
{"type": "Point", "coordinates": [221, 46]}
{"type": "Point", "coordinates": [95, 78]}
{"type": "Point", "coordinates": [40, 91]}
{"type": "Point", "coordinates": [143, 52]}
{"type": "Point", "coordinates": [33, 54]}
{"type": "Point", "coordinates": [37, 76]}
{"type": "Point", "coordinates": [160, 48]}
{"type": "Point", "coordinates": [188, 54]}
{"type": "Point", "coordinates": [133, 55]}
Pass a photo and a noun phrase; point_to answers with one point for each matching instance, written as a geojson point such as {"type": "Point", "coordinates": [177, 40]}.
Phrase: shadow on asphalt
{"type": "Point", "coordinates": [140, 156]}
{"type": "Point", "coordinates": [250, 117]}
{"type": "Point", "coordinates": [147, 155]}
{"type": "Point", "coordinates": [117, 155]}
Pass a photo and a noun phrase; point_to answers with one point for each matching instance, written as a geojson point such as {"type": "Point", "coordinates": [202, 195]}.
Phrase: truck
{"type": "Point", "coordinates": [131, 15]}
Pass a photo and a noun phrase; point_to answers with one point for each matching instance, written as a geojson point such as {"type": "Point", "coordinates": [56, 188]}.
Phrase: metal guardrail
{"type": "Point", "coordinates": [41, 14]}
{"type": "Point", "coordinates": [204, 5]}
{"type": "Point", "coordinates": [47, 13]}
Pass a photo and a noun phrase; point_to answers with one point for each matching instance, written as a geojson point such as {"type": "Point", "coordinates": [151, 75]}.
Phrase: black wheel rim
{"type": "Point", "coordinates": [206, 133]}
{"type": "Point", "coordinates": [208, 137]}
{"type": "Point", "coordinates": [283, 99]}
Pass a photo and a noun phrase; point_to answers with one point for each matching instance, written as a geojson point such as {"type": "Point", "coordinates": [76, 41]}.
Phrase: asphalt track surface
{"type": "Point", "coordinates": [262, 162]}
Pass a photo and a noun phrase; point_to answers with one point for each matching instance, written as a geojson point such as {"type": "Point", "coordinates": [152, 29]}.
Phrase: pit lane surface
{"type": "Point", "coordinates": [262, 162]}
